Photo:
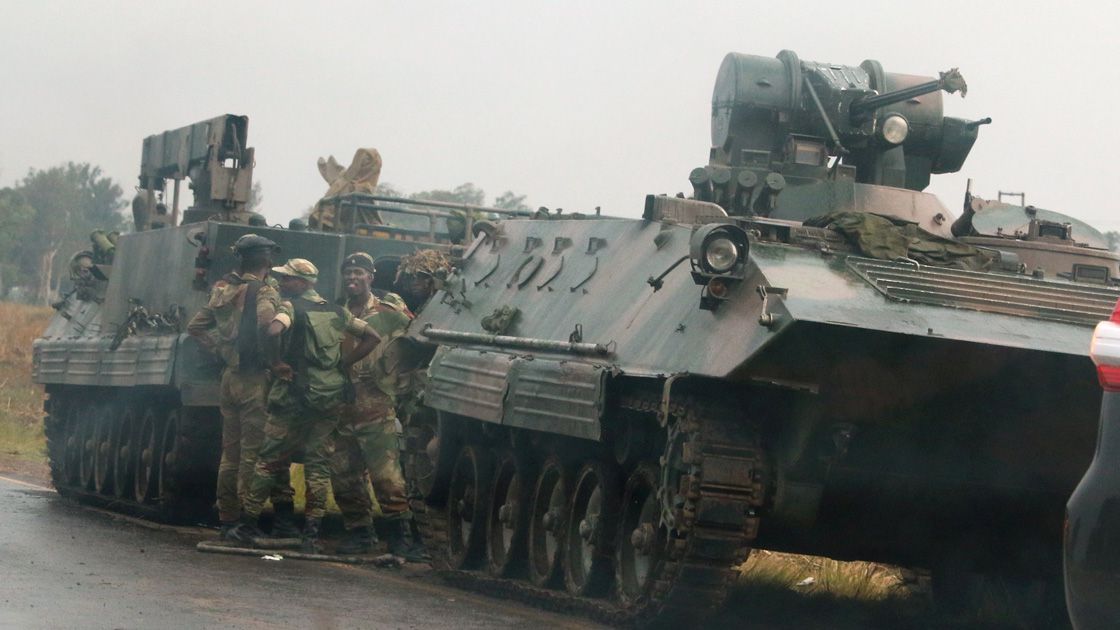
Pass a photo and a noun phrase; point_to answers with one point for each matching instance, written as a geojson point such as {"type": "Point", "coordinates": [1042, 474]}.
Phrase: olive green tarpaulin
{"type": "Point", "coordinates": [887, 238]}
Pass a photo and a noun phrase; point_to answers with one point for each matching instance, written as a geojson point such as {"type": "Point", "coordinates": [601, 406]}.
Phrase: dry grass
{"type": "Point", "coordinates": [21, 401]}
{"type": "Point", "coordinates": [822, 576]}
{"type": "Point", "coordinates": [778, 590]}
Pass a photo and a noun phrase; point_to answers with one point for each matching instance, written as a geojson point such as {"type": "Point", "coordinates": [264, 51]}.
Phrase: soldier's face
{"type": "Point", "coordinates": [356, 281]}
{"type": "Point", "coordinates": [422, 286]}
{"type": "Point", "coordinates": [292, 286]}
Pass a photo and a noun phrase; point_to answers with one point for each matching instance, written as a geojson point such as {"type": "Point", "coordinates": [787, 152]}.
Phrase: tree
{"type": "Point", "coordinates": [69, 202]}
{"type": "Point", "coordinates": [16, 216]}
{"type": "Point", "coordinates": [1113, 240]}
{"type": "Point", "coordinates": [465, 193]}
{"type": "Point", "coordinates": [510, 201]}
{"type": "Point", "coordinates": [387, 190]}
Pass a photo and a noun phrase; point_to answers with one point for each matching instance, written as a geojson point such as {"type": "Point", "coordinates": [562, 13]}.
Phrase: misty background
{"type": "Point", "coordinates": [574, 104]}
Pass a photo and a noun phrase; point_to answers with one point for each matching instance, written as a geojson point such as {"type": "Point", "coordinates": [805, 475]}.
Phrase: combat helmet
{"type": "Point", "coordinates": [250, 243]}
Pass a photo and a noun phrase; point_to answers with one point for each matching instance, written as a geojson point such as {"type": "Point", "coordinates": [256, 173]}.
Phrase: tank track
{"type": "Point", "coordinates": [715, 506]}
{"type": "Point", "coordinates": [184, 467]}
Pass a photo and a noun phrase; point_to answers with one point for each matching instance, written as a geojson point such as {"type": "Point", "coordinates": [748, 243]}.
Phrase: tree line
{"type": "Point", "coordinates": [46, 217]}
{"type": "Point", "coordinates": [466, 193]}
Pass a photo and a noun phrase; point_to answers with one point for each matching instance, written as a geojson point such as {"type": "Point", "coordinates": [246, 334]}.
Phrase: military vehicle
{"type": "Point", "coordinates": [808, 354]}
{"type": "Point", "coordinates": [132, 418]}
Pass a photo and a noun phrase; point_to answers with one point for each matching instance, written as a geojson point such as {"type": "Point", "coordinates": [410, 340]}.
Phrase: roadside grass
{"type": "Point", "coordinates": [21, 401]}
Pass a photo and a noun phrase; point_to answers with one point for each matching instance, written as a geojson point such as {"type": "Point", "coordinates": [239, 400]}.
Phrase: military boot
{"type": "Point", "coordinates": [357, 540]}
{"type": "Point", "coordinates": [225, 529]}
{"type": "Point", "coordinates": [245, 531]}
{"type": "Point", "coordinates": [311, 529]}
{"type": "Point", "coordinates": [284, 522]}
{"type": "Point", "coordinates": [398, 542]}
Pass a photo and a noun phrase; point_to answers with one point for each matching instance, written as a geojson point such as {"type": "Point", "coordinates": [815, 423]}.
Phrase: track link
{"type": "Point", "coordinates": [187, 493]}
{"type": "Point", "coordinates": [713, 485]}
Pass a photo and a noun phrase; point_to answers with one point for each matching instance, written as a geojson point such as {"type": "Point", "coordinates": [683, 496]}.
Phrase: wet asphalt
{"type": "Point", "coordinates": [66, 566]}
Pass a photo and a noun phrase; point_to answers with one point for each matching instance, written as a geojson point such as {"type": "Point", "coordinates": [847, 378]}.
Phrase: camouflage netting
{"type": "Point", "coordinates": [360, 177]}
{"type": "Point", "coordinates": [887, 238]}
{"type": "Point", "coordinates": [427, 262]}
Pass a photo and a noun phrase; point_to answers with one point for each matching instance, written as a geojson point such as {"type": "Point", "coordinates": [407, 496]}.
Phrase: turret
{"type": "Point", "coordinates": [782, 123]}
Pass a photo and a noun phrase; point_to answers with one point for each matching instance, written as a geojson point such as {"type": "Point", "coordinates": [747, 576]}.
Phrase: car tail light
{"type": "Point", "coordinates": [1105, 351]}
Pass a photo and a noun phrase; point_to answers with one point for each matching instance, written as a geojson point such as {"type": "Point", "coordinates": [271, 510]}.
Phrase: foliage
{"type": "Point", "coordinates": [467, 193]}
{"type": "Point", "coordinates": [387, 190]}
{"type": "Point", "coordinates": [15, 217]}
{"type": "Point", "coordinates": [464, 193]}
{"type": "Point", "coordinates": [48, 216]}
{"type": "Point", "coordinates": [510, 201]}
{"type": "Point", "coordinates": [1113, 240]}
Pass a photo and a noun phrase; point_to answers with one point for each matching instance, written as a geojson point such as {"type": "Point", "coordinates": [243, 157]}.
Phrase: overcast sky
{"type": "Point", "coordinates": [575, 104]}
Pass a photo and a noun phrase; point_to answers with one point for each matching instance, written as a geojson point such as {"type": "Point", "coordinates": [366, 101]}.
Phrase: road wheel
{"type": "Point", "coordinates": [507, 524]}
{"type": "Point", "coordinates": [103, 457]}
{"type": "Point", "coordinates": [170, 455]}
{"type": "Point", "coordinates": [641, 539]}
{"type": "Point", "coordinates": [591, 523]}
{"type": "Point", "coordinates": [546, 523]}
{"type": "Point", "coordinates": [69, 447]}
{"type": "Point", "coordinates": [467, 507]}
{"type": "Point", "coordinates": [124, 452]}
{"type": "Point", "coordinates": [145, 481]}
{"type": "Point", "coordinates": [72, 447]}
{"type": "Point", "coordinates": [86, 437]}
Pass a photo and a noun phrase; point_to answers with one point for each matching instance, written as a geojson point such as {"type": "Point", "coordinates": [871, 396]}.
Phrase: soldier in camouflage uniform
{"type": "Point", "coordinates": [420, 275]}
{"type": "Point", "coordinates": [369, 435]}
{"type": "Point", "coordinates": [241, 304]}
{"type": "Point", "coordinates": [303, 402]}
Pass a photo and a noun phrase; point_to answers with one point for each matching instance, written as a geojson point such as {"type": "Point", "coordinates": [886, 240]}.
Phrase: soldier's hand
{"type": "Point", "coordinates": [282, 371]}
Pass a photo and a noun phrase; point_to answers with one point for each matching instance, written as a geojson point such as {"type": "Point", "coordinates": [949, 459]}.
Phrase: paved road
{"type": "Point", "coordinates": [64, 566]}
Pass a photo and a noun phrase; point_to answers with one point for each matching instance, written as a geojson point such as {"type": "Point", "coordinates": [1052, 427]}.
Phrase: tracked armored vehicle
{"type": "Point", "coordinates": [809, 354]}
{"type": "Point", "coordinates": [132, 419]}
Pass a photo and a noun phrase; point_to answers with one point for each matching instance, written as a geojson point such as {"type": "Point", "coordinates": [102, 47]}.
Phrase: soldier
{"type": "Point", "coordinates": [304, 400]}
{"type": "Point", "coordinates": [241, 305]}
{"type": "Point", "coordinates": [420, 275]}
{"type": "Point", "coordinates": [369, 437]}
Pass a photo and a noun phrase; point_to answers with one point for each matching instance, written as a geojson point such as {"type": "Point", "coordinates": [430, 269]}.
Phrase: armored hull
{"type": "Point", "coordinates": [132, 410]}
{"type": "Point", "coordinates": [801, 356]}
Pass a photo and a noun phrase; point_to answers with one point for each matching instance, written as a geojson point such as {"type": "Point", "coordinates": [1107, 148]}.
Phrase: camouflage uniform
{"type": "Point", "coordinates": [304, 413]}
{"type": "Point", "coordinates": [243, 390]}
{"type": "Point", "coordinates": [368, 438]}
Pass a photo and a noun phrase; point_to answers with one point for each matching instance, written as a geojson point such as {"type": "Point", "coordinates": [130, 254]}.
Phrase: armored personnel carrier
{"type": "Point", "coordinates": [132, 418]}
{"type": "Point", "coordinates": [809, 354]}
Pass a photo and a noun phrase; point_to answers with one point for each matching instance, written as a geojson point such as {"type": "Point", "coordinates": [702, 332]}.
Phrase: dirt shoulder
{"type": "Point", "coordinates": [38, 473]}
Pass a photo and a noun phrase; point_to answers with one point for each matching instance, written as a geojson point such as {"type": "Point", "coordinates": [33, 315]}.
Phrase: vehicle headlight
{"type": "Point", "coordinates": [717, 249]}
{"type": "Point", "coordinates": [894, 129]}
{"type": "Point", "coordinates": [721, 254]}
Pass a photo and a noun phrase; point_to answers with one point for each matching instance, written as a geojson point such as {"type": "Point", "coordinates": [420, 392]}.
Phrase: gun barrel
{"type": "Point", "coordinates": [863, 108]}
{"type": "Point", "coordinates": [950, 81]}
